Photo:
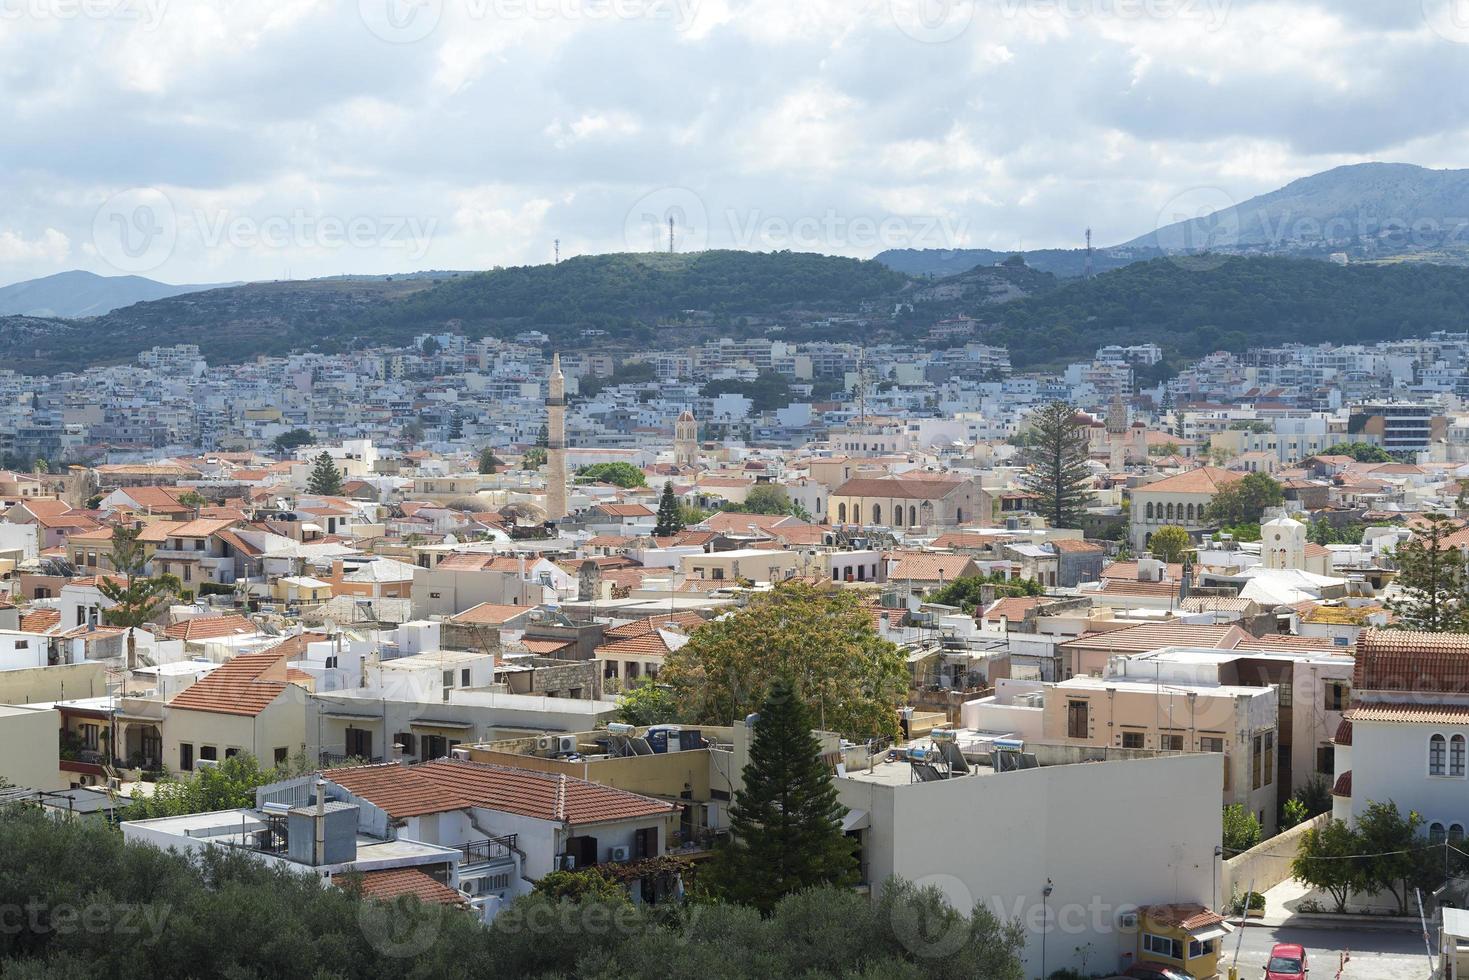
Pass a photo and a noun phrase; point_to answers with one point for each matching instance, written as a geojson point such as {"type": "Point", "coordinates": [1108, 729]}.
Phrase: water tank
{"type": "Point", "coordinates": [340, 830]}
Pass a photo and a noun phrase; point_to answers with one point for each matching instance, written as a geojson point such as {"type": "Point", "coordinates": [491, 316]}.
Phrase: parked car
{"type": "Point", "coordinates": [1287, 962]}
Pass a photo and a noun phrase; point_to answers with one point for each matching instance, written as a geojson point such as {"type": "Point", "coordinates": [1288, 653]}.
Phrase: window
{"type": "Point", "coordinates": [1150, 510]}
{"type": "Point", "coordinates": [1436, 834]}
{"type": "Point", "coordinates": [1437, 751]}
{"type": "Point", "coordinates": [1269, 754]}
{"type": "Point", "coordinates": [1337, 695]}
{"type": "Point", "coordinates": [1456, 755]}
{"type": "Point", "coordinates": [1132, 740]}
{"type": "Point", "coordinates": [404, 739]}
{"type": "Point", "coordinates": [231, 752]}
{"type": "Point", "coordinates": [89, 737]}
{"type": "Point", "coordinates": [1162, 946]}
{"type": "Point", "coordinates": [1211, 743]}
{"type": "Point", "coordinates": [448, 678]}
{"type": "Point", "coordinates": [1456, 833]}
{"type": "Point", "coordinates": [464, 677]}
{"type": "Point", "coordinates": [1286, 694]}
{"type": "Point", "coordinates": [209, 753]}
{"type": "Point", "coordinates": [1172, 743]}
{"type": "Point", "coordinates": [186, 756]}
{"type": "Point", "coordinates": [1076, 720]}
{"type": "Point", "coordinates": [1197, 949]}
{"type": "Point", "coordinates": [22, 644]}
{"type": "Point", "coordinates": [281, 753]}
{"type": "Point", "coordinates": [1326, 759]}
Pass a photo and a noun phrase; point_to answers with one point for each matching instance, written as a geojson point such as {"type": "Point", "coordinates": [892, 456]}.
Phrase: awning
{"type": "Point", "coordinates": [854, 820]}
{"type": "Point", "coordinates": [1207, 933]}
{"type": "Point", "coordinates": [431, 723]}
{"type": "Point", "coordinates": [348, 716]}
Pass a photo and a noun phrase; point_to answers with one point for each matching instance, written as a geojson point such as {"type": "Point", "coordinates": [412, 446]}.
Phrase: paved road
{"type": "Point", "coordinates": [1375, 955]}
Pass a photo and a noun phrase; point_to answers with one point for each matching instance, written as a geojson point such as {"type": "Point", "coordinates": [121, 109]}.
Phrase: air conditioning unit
{"type": "Point", "coordinates": [565, 744]}
{"type": "Point", "coordinates": [546, 743]}
{"type": "Point", "coordinates": [568, 862]}
{"type": "Point", "coordinates": [205, 763]}
{"type": "Point", "coordinates": [617, 853]}
{"type": "Point", "coordinates": [1127, 920]}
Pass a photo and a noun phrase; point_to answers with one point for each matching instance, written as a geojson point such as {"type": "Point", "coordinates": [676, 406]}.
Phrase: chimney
{"type": "Point", "coordinates": [319, 824]}
{"type": "Point", "coordinates": [398, 755]}
{"type": "Point", "coordinates": [986, 596]}
{"type": "Point", "coordinates": [337, 570]}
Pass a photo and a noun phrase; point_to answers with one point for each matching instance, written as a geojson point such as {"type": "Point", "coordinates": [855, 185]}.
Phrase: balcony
{"type": "Point", "coordinates": [488, 850]}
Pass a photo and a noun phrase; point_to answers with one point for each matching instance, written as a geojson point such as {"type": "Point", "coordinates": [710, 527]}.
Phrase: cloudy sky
{"type": "Point", "coordinates": [213, 140]}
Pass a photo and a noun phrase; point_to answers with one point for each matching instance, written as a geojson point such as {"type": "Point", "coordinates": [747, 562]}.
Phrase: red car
{"type": "Point", "coordinates": [1287, 962]}
{"type": "Point", "coordinates": [1152, 971]}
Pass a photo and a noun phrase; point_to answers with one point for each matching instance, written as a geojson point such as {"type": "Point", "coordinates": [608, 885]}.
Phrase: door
{"type": "Point", "coordinates": [359, 743]}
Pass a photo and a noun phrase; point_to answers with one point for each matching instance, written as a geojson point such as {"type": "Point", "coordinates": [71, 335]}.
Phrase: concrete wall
{"type": "Point", "coordinates": [1267, 864]}
{"type": "Point", "coordinates": [31, 759]}
{"type": "Point", "coordinates": [84, 680]}
{"type": "Point", "coordinates": [1109, 837]}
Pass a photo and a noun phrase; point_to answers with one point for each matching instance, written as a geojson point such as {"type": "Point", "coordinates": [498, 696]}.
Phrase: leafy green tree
{"type": "Point", "coordinates": [1292, 813]}
{"type": "Point", "coordinates": [1326, 859]}
{"type": "Point", "coordinates": [137, 598]}
{"type": "Point", "coordinates": [1170, 543]}
{"type": "Point", "coordinates": [786, 822]}
{"type": "Point", "coordinates": [581, 885]}
{"type": "Point", "coordinates": [1314, 796]}
{"type": "Point", "coordinates": [669, 518]}
{"type": "Point", "coordinates": [968, 592]}
{"type": "Point", "coordinates": [689, 515]}
{"type": "Point", "coordinates": [294, 439]}
{"type": "Point", "coordinates": [325, 479]}
{"type": "Point", "coordinates": [1056, 469]}
{"type": "Point", "coordinates": [194, 500]}
{"type": "Point", "coordinates": [766, 498]}
{"type": "Point", "coordinates": [647, 702]}
{"type": "Point", "coordinates": [543, 437]}
{"type": "Point", "coordinates": [229, 785]}
{"type": "Point", "coordinates": [822, 637]}
{"type": "Point", "coordinates": [620, 474]}
{"type": "Point", "coordinates": [1241, 829]}
{"type": "Point", "coordinates": [1431, 580]}
{"type": "Point", "coordinates": [489, 463]}
{"type": "Point", "coordinates": [1392, 840]}
{"type": "Point", "coordinates": [1362, 452]}
{"type": "Point", "coordinates": [1243, 501]}
{"type": "Point", "coordinates": [429, 347]}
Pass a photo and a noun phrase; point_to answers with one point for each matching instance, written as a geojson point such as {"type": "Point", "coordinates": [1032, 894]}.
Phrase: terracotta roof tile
{"type": "Point", "coordinates": [211, 628]}
{"type": "Point", "coordinates": [1205, 479]}
{"type": "Point", "coordinates": [1147, 637]}
{"type": "Point", "coordinates": [245, 685]}
{"type": "Point", "coordinates": [1416, 713]}
{"type": "Point", "coordinates": [449, 784]}
{"type": "Point", "coordinates": [1401, 660]}
{"type": "Point", "coordinates": [1343, 784]}
{"type": "Point", "coordinates": [390, 883]}
{"type": "Point", "coordinates": [40, 621]}
{"type": "Point", "coordinates": [490, 614]}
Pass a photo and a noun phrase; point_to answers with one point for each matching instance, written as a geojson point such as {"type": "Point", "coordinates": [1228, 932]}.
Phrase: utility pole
{"type": "Point", "coordinates": [557, 259]}
{"type": "Point", "coordinates": [670, 234]}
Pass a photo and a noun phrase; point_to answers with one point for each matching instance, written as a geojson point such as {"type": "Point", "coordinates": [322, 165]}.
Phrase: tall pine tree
{"type": "Point", "coordinates": [1431, 580]}
{"type": "Point", "coordinates": [670, 522]}
{"type": "Point", "coordinates": [1056, 468]}
{"type": "Point", "coordinates": [325, 479]}
{"type": "Point", "coordinates": [786, 822]}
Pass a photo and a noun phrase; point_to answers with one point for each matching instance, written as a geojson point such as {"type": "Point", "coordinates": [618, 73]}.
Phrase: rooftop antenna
{"type": "Point", "coordinates": [670, 234]}
{"type": "Point", "coordinates": [1087, 273]}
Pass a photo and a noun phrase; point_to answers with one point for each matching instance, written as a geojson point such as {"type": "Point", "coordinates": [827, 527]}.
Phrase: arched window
{"type": "Point", "coordinates": [1170, 512]}
{"type": "Point", "coordinates": [1190, 512]}
{"type": "Point", "coordinates": [1150, 510]}
{"type": "Point", "coordinates": [1456, 833]}
{"type": "Point", "coordinates": [1437, 751]}
{"type": "Point", "coordinates": [1436, 833]}
{"type": "Point", "coordinates": [898, 516]}
{"type": "Point", "coordinates": [1456, 755]}
{"type": "Point", "coordinates": [818, 511]}
{"type": "Point", "coordinates": [912, 516]}
{"type": "Point", "coordinates": [877, 513]}
{"type": "Point", "coordinates": [958, 515]}
{"type": "Point", "coordinates": [856, 513]}
{"type": "Point", "coordinates": [841, 513]}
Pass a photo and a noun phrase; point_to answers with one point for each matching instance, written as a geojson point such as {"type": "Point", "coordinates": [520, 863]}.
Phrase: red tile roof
{"type": "Point", "coordinates": [211, 628]}
{"type": "Point", "coordinates": [449, 784]}
{"type": "Point", "coordinates": [40, 621]}
{"type": "Point", "coordinates": [390, 883]}
{"type": "Point", "coordinates": [490, 614]}
{"type": "Point", "coordinates": [1205, 479]}
{"type": "Point", "coordinates": [1343, 784]}
{"type": "Point", "coordinates": [898, 488]}
{"type": "Point", "coordinates": [1415, 713]}
{"type": "Point", "coordinates": [245, 685]}
{"type": "Point", "coordinates": [1400, 660]}
{"type": "Point", "coordinates": [688, 619]}
{"type": "Point", "coordinates": [1343, 734]}
{"type": "Point", "coordinates": [1183, 916]}
{"type": "Point", "coordinates": [1146, 637]}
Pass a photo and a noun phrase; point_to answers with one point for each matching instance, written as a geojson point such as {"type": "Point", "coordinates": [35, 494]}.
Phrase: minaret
{"type": "Point", "coordinates": [556, 442]}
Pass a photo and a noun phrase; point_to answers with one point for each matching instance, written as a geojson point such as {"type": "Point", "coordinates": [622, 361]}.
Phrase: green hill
{"type": "Point", "coordinates": [1193, 307]}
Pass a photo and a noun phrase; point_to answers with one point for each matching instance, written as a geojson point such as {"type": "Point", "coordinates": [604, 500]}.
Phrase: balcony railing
{"type": "Point", "coordinates": [332, 760]}
{"type": "Point", "coordinates": [489, 849]}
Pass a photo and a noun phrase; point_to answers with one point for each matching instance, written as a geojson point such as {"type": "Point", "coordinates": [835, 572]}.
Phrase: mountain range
{"type": "Point", "coordinates": [1369, 212]}
{"type": "Point", "coordinates": [78, 294]}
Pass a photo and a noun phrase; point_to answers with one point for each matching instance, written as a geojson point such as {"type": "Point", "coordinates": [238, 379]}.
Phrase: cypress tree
{"type": "Point", "coordinates": [1431, 580]}
{"type": "Point", "coordinates": [325, 479]}
{"type": "Point", "coordinates": [786, 822]}
{"type": "Point", "coordinates": [1056, 468]}
{"type": "Point", "coordinates": [669, 521]}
